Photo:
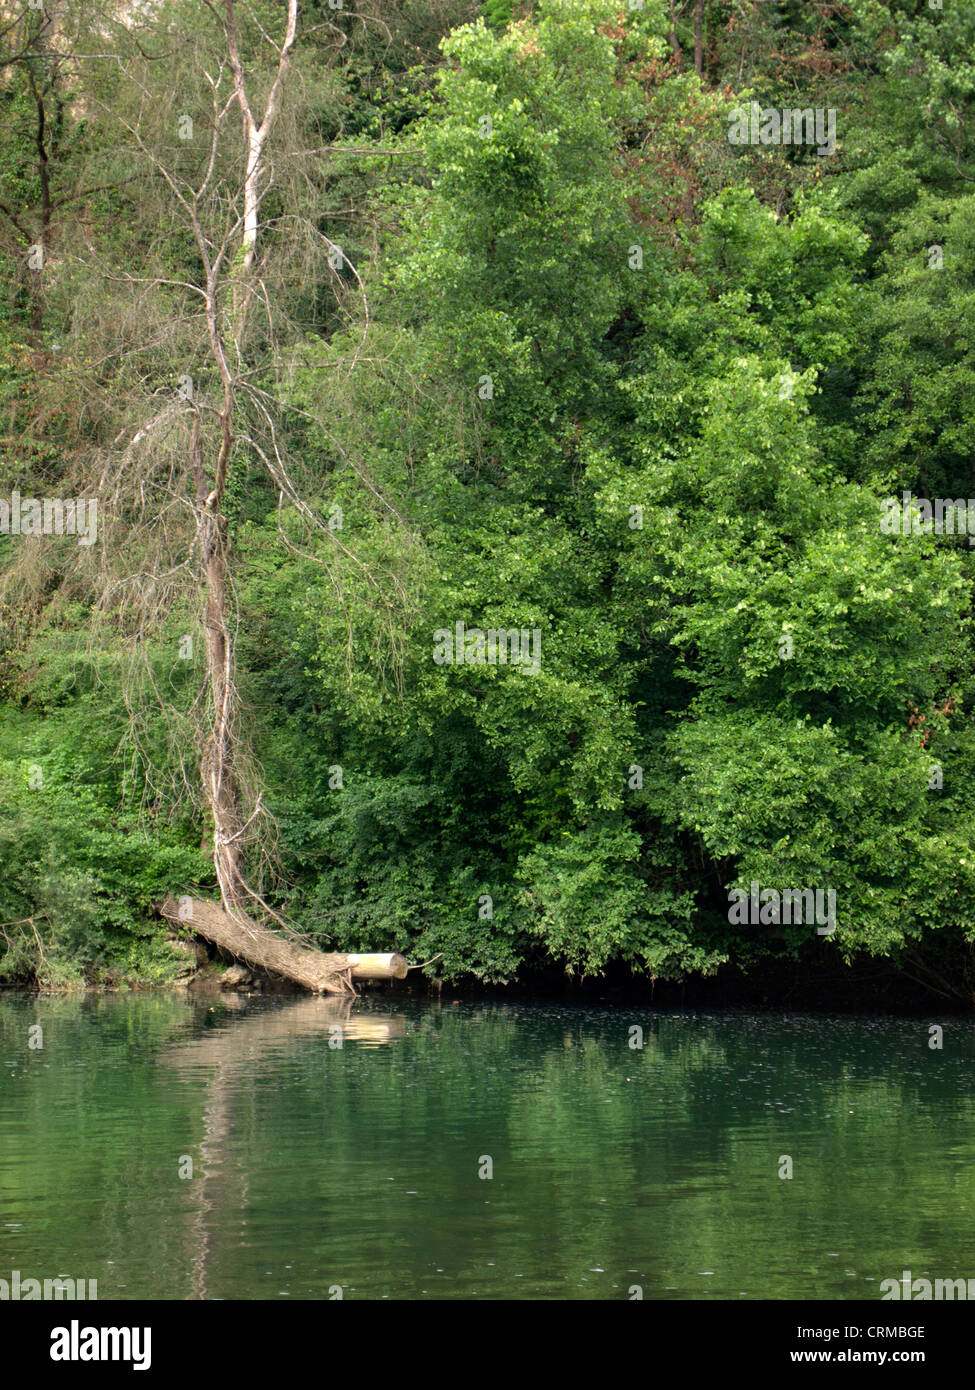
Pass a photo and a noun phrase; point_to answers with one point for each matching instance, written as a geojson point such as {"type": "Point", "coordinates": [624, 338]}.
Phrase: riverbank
{"type": "Point", "coordinates": [816, 981]}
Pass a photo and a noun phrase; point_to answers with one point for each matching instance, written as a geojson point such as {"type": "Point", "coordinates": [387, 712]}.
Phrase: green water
{"type": "Point", "coordinates": [319, 1167]}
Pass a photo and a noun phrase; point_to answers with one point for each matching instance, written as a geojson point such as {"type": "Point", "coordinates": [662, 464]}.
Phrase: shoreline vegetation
{"type": "Point", "coordinates": [449, 458]}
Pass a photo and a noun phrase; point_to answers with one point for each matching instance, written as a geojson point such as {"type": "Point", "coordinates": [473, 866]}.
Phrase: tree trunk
{"type": "Point", "coordinates": [678, 52]}
{"type": "Point", "coordinates": [217, 762]}
{"type": "Point", "coordinates": [219, 755]}
{"type": "Point", "coordinates": [322, 973]}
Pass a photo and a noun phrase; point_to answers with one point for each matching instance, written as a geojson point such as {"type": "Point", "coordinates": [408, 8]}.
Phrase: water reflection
{"type": "Point", "coordinates": [227, 1054]}
{"type": "Point", "coordinates": [259, 1034]}
{"type": "Point", "coordinates": [613, 1165]}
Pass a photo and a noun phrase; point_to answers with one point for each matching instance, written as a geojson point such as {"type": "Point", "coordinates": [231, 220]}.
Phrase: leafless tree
{"type": "Point", "coordinates": [197, 341]}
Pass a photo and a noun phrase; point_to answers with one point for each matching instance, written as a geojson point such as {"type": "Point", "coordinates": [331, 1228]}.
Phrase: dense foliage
{"type": "Point", "coordinates": [612, 378]}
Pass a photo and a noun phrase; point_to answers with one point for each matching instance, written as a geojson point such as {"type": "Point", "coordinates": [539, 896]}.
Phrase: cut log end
{"type": "Point", "coordinates": [367, 966]}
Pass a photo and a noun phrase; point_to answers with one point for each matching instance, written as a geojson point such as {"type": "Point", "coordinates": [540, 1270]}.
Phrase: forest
{"type": "Point", "coordinates": [489, 481]}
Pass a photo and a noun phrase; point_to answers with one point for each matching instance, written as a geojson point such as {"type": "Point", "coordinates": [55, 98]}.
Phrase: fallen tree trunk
{"type": "Point", "coordinates": [321, 972]}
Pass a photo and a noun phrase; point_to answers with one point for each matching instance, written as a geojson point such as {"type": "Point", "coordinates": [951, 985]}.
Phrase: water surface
{"type": "Point", "coordinates": [361, 1168]}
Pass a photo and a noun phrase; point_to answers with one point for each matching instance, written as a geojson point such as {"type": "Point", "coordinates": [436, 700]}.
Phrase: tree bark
{"type": "Point", "coordinates": [217, 758]}
{"type": "Point", "coordinates": [320, 972]}
{"type": "Point", "coordinates": [254, 134]}
{"type": "Point", "coordinates": [218, 761]}
{"type": "Point", "coordinates": [678, 52]}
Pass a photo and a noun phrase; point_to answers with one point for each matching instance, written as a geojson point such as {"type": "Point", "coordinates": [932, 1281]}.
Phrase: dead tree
{"type": "Point", "coordinates": [223, 215]}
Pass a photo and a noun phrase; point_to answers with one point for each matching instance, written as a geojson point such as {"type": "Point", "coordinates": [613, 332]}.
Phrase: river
{"type": "Point", "coordinates": [177, 1147]}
